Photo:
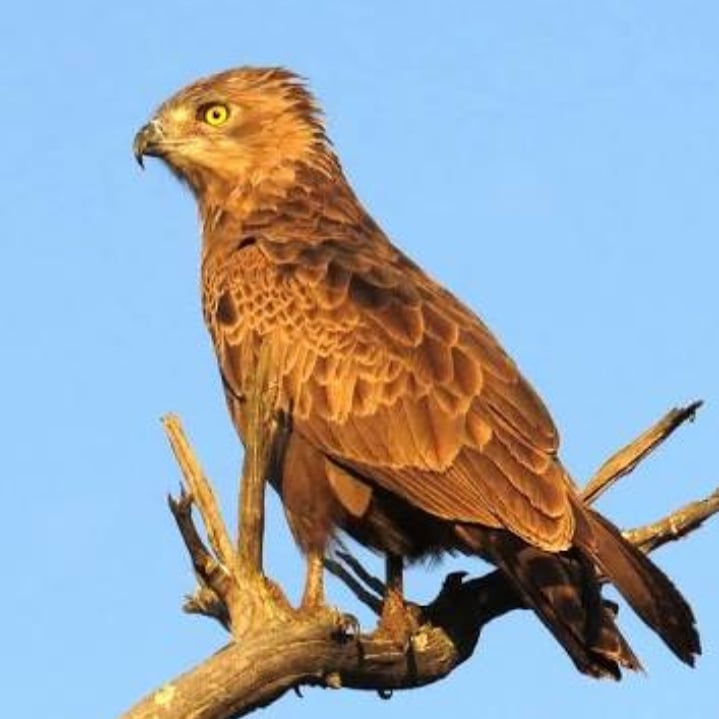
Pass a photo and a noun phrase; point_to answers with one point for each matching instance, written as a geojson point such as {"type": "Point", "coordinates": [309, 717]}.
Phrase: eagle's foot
{"type": "Point", "coordinates": [399, 621]}
{"type": "Point", "coordinates": [314, 607]}
{"type": "Point", "coordinates": [344, 627]}
{"type": "Point", "coordinates": [348, 627]}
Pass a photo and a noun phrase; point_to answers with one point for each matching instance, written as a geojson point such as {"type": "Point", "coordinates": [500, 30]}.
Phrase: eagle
{"type": "Point", "coordinates": [411, 429]}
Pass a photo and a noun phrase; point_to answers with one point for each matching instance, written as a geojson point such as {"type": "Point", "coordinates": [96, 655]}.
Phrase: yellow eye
{"type": "Point", "coordinates": [216, 114]}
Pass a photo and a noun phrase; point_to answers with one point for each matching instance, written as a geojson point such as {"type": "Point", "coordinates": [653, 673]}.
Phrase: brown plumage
{"type": "Point", "coordinates": [412, 430]}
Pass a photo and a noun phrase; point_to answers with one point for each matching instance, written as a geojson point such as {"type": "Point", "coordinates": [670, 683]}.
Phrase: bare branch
{"type": "Point", "coordinates": [245, 676]}
{"type": "Point", "coordinates": [200, 491]}
{"type": "Point", "coordinates": [354, 565]}
{"type": "Point", "coordinates": [256, 465]}
{"type": "Point", "coordinates": [213, 576]}
{"type": "Point", "coordinates": [355, 585]}
{"type": "Point", "coordinates": [243, 598]}
{"type": "Point", "coordinates": [627, 458]}
{"type": "Point", "coordinates": [280, 649]}
{"type": "Point", "coordinates": [676, 525]}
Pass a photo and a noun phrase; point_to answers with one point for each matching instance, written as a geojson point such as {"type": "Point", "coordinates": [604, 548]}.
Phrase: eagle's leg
{"type": "Point", "coordinates": [394, 575]}
{"type": "Point", "coordinates": [313, 597]}
{"type": "Point", "coordinates": [399, 620]}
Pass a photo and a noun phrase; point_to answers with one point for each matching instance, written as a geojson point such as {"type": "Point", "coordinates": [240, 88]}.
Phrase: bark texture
{"type": "Point", "coordinates": [274, 648]}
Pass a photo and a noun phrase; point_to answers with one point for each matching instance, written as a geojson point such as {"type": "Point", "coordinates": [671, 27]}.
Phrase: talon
{"type": "Point", "coordinates": [333, 680]}
{"type": "Point", "coordinates": [348, 627]}
{"type": "Point", "coordinates": [453, 581]}
{"type": "Point", "coordinates": [400, 621]}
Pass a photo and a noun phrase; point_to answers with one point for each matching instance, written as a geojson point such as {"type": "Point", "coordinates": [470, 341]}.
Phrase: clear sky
{"type": "Point", "coordinates": [555, 163]}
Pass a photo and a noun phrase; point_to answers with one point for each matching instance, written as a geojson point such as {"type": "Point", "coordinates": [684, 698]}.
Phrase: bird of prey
{"type": "Point", "coordinates": [411, 428]}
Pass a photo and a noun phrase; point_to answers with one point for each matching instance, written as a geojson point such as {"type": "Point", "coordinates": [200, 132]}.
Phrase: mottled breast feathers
{"type": "Point", "coordinates": [388, 374]}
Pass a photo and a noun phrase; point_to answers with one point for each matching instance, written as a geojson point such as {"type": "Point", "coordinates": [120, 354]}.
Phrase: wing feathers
{"type": "Point", "coordinates": [390, 375]}
{"type": "Point", "coordinates": [433, 362]}
{"type": "Point", "coordinates": [467, 373]}
{"type": "Point", "coordinates": [516, 407]}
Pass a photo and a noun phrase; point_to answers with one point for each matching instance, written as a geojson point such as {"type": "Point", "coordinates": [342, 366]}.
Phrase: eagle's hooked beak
{"type": "Point", "coordinates": [148, 141]}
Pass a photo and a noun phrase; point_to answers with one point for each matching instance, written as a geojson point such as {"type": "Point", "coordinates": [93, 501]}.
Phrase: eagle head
{"type": "Point", "coordinates": [237, 129]}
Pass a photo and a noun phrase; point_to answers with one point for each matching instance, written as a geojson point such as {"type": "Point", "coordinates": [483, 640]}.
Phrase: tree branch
{"type": "Point", "coordinates": [274, 649]}
{"type": "Point", "coordinates": [627, 458]}
{"type": "Point", "coordinates": [200, 491]}
{"type": "Point", "coordinates": [256, 466]}
{"type": "Point", "coordinates": [676, 525]}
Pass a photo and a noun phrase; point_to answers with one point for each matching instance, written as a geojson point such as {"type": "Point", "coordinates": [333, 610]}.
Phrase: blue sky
{"type": "Point", "coordinates": [555, 163]}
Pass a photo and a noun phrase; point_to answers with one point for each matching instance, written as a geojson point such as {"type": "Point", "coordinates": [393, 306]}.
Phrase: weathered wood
{"type": "Point", "coordinates": [274, 648]}
{"type": "Point", "coordinates": [627, 458]}
{"type": "Point", "coordinates": [284, 655]}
